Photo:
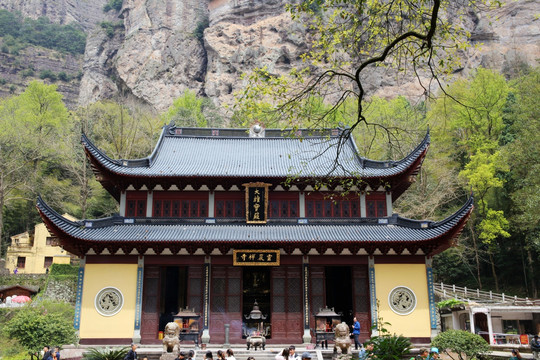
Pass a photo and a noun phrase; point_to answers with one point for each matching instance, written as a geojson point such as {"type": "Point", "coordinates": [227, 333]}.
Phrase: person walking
{"type": "Point", "coordinates": [356, 333]}
{"type": "Point", "coordinates": [221, 355]}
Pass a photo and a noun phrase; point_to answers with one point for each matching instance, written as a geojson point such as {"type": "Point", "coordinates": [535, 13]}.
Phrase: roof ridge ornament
{"type": "Point", "coordinates": [257, 130]}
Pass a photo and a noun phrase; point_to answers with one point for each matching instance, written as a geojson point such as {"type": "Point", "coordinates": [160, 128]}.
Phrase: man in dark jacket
{"type": "Point", "coordinates": [46, 353]}
{"type": "Point", "coordinates": [132, 354]}
{"type": "Point", "coordinates": [356, 334]}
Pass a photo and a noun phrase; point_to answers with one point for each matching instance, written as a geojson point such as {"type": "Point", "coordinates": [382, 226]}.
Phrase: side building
{"type": "Point", "coordinates": [34, 253]}
{"type": "Point", "coordinates": [216, 220]}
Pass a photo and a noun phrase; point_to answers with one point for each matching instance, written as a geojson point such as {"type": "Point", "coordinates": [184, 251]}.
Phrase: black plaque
{"type": "Point", "coordinates": [256, 203]}
{"type": "Point", "coordinates": [256, 257]}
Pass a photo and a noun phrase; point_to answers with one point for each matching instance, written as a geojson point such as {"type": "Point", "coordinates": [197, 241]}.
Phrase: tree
{"type": "Point", "coordinates": [468, 122]}
{"type": "Point", "coordinates": [461, 343]}
{"type": "Point", "coordinates": [48, 323]}
{"type": "Point", "coordinates": [412, 39]}
{"type": "Point", "coordinates": [31, 125]}
{"type": "Point", "coordinates": [194, 111]}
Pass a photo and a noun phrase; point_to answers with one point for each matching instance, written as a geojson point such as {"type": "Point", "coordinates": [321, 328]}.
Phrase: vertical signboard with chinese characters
{"type": "Point", "coordinates": [256, 203]}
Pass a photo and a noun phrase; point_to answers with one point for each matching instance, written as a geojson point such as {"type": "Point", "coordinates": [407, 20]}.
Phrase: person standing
{"type": "Point", "coordinates": [515, 355]}
{"type": "Point", "coordinates": [230, 355]}
{"type": "Point", "coordinates": [132, 354]}
{"type": "Point", "coordinates": [284, 355]}
{"type": "Point", "coordinates": [535, 347]}
{"type": "Point", "coordinates": [292, 353]}
{"type": "Point", "coordinates": [366, 353]}
{"type": "Point", "coordinates": [46, 353]}
{"type": "Point", "coordinates": [423, 354]}
{"type": "Point", "coordinates": [356, 333]}
{"type": "Point", "coordinates": [57, 352]}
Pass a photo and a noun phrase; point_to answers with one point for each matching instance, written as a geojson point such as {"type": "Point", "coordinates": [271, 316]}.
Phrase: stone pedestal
{"type": "Point", "coordinates": [168, 356]}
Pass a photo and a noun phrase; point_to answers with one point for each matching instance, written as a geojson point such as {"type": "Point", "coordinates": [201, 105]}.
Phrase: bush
{"type": "Point", "coordinates": [391, 347]}
{"type": "Point", "coordinates": [463, 343]}
{"type": "Point", "coordinates": [63, 76]}
{"type": "Point", "coordinates": [3, 81]}
{"type": "Point", "coordinates": [5, 49]}
{"type": "Point", "coordinates": [105, 354]}
{"type": "Point", "coordinates": [26, 73]}
{"type": "Point", "coordinates": [48, 323]}
{"type": "Point", "coordinates": [47, 74]}
{"type": "Point", "coordinates": [63, 269]}
{"type": "Point", "coordinates": [110, 27]}
{"type": "Point", "coordinates": [113, 4]}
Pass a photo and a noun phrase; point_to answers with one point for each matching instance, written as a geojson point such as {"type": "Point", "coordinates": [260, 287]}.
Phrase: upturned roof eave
{"type": "Point", "coordinates": [57, 225]}
{"type": "Point", "coordinates": [98, 157]}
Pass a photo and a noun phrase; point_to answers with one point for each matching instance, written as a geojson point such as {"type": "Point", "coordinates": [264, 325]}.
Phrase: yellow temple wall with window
{"type": "Point", "coordinates": [414, 277]}
{"type": "Point", "coordinates": [35, 251]}
{"type": "Point", "coordinates": [97, 277]}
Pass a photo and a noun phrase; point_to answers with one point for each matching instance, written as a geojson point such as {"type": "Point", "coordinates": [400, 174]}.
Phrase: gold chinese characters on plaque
{"type": "Point", "coordinates": [256, 202]}
{"type": "Point", "coordinates": [256, 257]}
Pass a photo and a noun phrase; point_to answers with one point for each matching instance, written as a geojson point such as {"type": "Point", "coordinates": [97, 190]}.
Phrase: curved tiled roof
{"type": "Point", "coordinates": [241, 156]}
{"type": "Point", "coordinates": [129, 230]}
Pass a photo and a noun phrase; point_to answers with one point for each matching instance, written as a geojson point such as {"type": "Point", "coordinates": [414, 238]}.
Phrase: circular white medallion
{"type": "Point", "coordinates": [402, 300]}
{"type": "Point", "coordinates": [109, 301]}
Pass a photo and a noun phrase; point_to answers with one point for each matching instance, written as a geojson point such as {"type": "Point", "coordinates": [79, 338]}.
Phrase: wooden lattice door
{"type": "Point", "coordinates": [150, 306]}
{"type": "Point", "coordinates": [287, 306]}
{"type": "Point", "coordinates": [226, 304]}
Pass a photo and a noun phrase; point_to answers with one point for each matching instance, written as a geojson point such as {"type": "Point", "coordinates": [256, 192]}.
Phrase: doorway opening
{"type": "Point", "coordinates": [173, 293]}
{"type": "Point", "coordinates": [339, 292]}
{"type": "Point", "coordinates": [256, 292]}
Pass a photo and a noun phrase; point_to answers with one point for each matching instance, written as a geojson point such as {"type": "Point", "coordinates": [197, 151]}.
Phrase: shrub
{"type": "Point", "coordinates": [113, 4]}
{"type": "Point", "coordinates": [48, 323]}
{"type": "Point", "coordinates": [63, 76]}
{"type": "Point", "coordinates": [105, 354]}
{"type": "Point", "coordinates": [449, 303]}
{"type": "Point", "coordinates": [5, 49]}
{"type": "Point", "coordinates": [3, 81]}
{"type": "Point", "coordinates": [461, 343]}
{"type": "Point", "coordinates": [63, 269]}
{"type": "Point", "coordinates": [47, 74]}
{"type": "Point", "coordinates": [26, 73]}
{"type": "Point", "coordinates": [391, 347]}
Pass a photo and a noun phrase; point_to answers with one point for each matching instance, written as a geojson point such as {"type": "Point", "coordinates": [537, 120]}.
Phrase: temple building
{"type": "Point", "coordinates": [233, 223]}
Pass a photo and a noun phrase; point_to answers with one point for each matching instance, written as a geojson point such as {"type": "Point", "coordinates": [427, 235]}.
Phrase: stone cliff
{"type": "Point", "coordinates": [168, 46]}
{"type": "Point", "coordinates": [164, 50]}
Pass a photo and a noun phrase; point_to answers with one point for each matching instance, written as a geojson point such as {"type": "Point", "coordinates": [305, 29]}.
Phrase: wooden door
{"type": "Point", "coordinates": [361, 300]}
{"type": "Point", "coordinates": [287, 306]}
{"type": "Point", "coordinates": [226, 304]}
{"type": "Point", "coordinates": [150, 305]}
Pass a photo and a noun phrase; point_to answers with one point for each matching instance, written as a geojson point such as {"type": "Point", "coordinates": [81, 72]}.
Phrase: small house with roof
{"type": "Point", "coordinates": [222, 220]}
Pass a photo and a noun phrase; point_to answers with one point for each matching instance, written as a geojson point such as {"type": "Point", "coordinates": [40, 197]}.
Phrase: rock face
{"type": "Point", "coordinates": [161, 55]}
{"type": "Point", "coordinates": [168, 46]}
{"type": "Point", "coordinates": [83, 12]}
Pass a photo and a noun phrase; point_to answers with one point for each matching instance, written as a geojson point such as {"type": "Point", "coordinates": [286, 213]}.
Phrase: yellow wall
{"type": "Point", "coordinates": [413, 276]}
{"type": "Point", "coordinates": [96, 277]}
{"type": "Point", "coordinates": [34, 249]}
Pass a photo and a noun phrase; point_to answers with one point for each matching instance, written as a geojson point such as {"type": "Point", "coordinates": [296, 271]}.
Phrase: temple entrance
{"type": "Point", "coordinates": [256, 289]}
{"type": "Point", "coordinates": [173, 293]}
{"type": "Point", "coordinates": [339, 291]}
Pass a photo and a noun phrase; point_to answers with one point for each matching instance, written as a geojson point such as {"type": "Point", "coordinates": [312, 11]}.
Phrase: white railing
{"type": "Point", "coordinates": [465, 294]}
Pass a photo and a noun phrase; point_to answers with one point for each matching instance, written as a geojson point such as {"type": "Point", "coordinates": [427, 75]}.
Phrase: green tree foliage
{"type": "Point", "coordinates": [352, 38]}
{"type": "Point", "coordinates": [31, 125]}
{"type": "Point", "coordinates": [194, 111]}
{"type": "Point", "coordinates": [47, 323]}
{"type": "Point", "coordinates": [41, 32]}
{"type": "Point", "coordinates": [460, 344]}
